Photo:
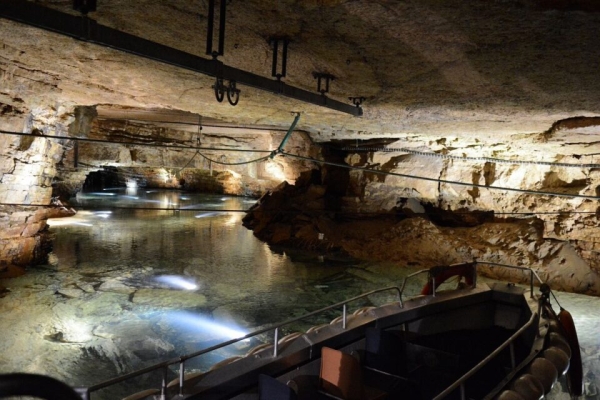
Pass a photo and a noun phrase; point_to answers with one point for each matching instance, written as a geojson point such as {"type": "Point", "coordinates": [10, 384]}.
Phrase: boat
{"type": "Point", "coordinates": [477, 340]}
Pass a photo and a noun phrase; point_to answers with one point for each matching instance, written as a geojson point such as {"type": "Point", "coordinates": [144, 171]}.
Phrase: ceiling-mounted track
{"type": "Point", "coordinates": [86, 29]}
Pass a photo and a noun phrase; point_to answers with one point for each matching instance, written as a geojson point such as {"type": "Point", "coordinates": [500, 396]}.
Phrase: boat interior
{"type": "Point", "coordinates": [465, 343]}
{"type": "Point", "coordinates": [477, 341]}
{"type": "Point", "coordinates": [414, 354]}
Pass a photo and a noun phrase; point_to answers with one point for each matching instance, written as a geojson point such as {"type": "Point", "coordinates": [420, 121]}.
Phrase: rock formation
{"type": "Point", "coordinates": [487, 93]}
{"type": "Point", "coordinates": [383, 214]}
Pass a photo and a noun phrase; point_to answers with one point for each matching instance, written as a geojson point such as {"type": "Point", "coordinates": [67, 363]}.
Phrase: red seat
{"type": "Point", "coordinates": [341, 377]}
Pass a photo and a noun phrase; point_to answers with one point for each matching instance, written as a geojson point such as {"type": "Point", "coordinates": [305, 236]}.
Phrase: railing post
{"type": "Point", "coordinates": [181, 370]}
{"type": "Point", "coordinates": [513, 361]}
{"type": "Point", "coordinates": [344, 316]}
{"type": "Point", "coordinates": [433, 286]}
{"type": "Point", "coordinates": [275, 344]}
{"type": "Point", "coordinates": [531, 283]}
{"type": "Point", "coordinates": [163, 386]}
{"type": "Point", "coordinates": [462, 391]}
{"type": "Point", "coordinates": [400, 298]}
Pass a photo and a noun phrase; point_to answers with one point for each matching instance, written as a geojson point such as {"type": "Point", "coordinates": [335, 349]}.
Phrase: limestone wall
{"type": "Point", "coordinates": [566, 246]}
{"type": "Point", "coordinates": [27, 168]}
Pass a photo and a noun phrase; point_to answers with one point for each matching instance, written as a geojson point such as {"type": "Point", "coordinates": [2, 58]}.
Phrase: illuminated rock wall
{"type": "Point", "coordinates": [27, 168]}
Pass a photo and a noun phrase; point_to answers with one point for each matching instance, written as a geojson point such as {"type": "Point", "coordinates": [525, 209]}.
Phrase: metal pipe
{"type": "Point", "coordinates": [531, 283]}
{"type": "Point", "coordinates": [163, 386]}
{"type": "Point", "coordinates": [222, 27]}
{"type": "Point", "coordinates": [276, 342]}
{"type": "Point", "coordinates": [275, 43]}
{"type": "Point", "coordinates": [90, 31]}
{"type": "Point", "coordinates": [288, 134]}
{"type": "Point", "coordinates": [181, 374]}
{"type": "Point", "coordinates": [513, 359]}
{"type": "Point", "coordinates": [284, 58]}
{"type": "Point", "coordinates": [211, 23]}
{"type": "Point", "coordinates": [344, 319]}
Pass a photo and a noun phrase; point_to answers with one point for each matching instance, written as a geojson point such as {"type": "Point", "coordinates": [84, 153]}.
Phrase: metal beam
{"type": "Point", "coordinates": [88, 30]}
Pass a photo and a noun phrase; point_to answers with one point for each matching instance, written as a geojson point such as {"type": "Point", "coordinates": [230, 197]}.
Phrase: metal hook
{"type": "Point", "coordinates": [233, 93]}
{"type": "Point", "coordinates": [219, 88]}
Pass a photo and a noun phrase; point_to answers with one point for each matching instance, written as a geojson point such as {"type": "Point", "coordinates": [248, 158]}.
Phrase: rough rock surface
{"type": "Point", "coordinates": [303, 215]}
{"type": "Point", "coordinates": [513, 80]}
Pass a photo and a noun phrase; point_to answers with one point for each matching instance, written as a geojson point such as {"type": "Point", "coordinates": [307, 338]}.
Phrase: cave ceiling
{"type": "Point", "coordinates": [484, 70]}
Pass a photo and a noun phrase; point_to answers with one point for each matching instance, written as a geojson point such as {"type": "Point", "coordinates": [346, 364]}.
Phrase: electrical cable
{"type": "Point", "coordinates": [490, 187]}
{"type": "Point", "coordinates": [236, 163]}
{"type": "Point", "coordinates": [180, 147]}
{"type": "Point", "coordinates": [341, 213]}
{"type": "Point", "coordinates": [459, 158]}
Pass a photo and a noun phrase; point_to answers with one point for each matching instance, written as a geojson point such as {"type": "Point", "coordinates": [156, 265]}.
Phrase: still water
{"type": "Point", "coordinates": [140, 276]}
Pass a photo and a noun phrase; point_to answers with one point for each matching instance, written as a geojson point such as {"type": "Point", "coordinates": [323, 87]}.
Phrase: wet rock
{"type": "Point", "coordinates": [71, 293]}
{"type": "Point", "coordinates": [115, 285]}
{"type": "Point", "coordinates": [86, 287]}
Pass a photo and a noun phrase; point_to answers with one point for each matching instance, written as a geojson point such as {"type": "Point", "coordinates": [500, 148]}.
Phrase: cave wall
{"type": "Point", "coordinates": [205, 159]}
{"type": "Point", "coordinates": [40, 174]}
{"type": "Point", "coordinates": [563, 242]}
{"type": "Point", "coordinates": [27, 168]}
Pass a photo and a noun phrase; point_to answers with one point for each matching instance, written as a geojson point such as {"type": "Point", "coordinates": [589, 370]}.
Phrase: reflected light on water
{"type": "Point", "coordinates": [188, 320]}
{"type": "Point", "coordinates": [178, 282]}
{"type": "Point", "coordinates": [91, 195]}
{"type": "Point", "coordinates": [68, 221]}
{"type": "Point", "coordinates": [102, 214]}
{"type": "Point", "coordinates": [207, 214]}
{"type": "Point", "coordinates": [234, 219]}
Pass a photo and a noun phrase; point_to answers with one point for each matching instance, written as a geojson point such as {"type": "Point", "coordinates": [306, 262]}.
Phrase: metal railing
{"type": "Point", "coordinates": [509, 342]}
{"type": "Point", "coordinates": [275, 328]}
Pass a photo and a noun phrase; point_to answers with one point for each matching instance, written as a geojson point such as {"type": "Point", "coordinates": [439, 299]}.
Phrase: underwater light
{"type": "Point", "coordinates": [102, 194]}
{"type": "Point", "coordinates": [202, 323]}
{"type": "Point", "coordinates": [82, 224]}
{"type": "Point", "coordinates": [102, 214]}
{"type": "Point", "coordinates": [178, 282]}
{"type": "Point", "coordinates": [207, 214]}
{"type": "Point", "coordinates": [68, 221]}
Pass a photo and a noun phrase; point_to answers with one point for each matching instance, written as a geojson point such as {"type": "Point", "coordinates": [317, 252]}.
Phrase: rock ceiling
{"type": "Point", "coordinates": [493, 70]}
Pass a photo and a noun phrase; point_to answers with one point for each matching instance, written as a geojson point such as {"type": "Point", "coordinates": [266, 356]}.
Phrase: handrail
{"type": "Point", "coordinates": [531, 272]}
{"type": "Point", "coordinates": [406, 280]}
{"type": "Point", "coordinates": [180, 360]}
{"type": "Point", "coordinates": [400, 290]}
{"type": "Point", "coordinates": [483, 362]}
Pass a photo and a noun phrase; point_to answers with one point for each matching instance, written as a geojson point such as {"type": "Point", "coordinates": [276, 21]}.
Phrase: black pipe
{"type": "Point", "coordinates": [284, 58]}
{"type": "Point", "coordinates": [275, 44]}
{"type": "Point", "coordinates": [90, 31]}
{"type": "Point", "coordinates": [222, 27]}
{"type": "Point", "coordinates": [211, 23]}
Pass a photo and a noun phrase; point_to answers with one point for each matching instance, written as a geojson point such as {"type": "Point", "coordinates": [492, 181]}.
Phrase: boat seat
{"type": "Point", "coordinates": [258, 348]}
{"type": "Point", "coordinates": [271, 389]}
{"type": "Point", "coordinates": [316, 328]}
{"type": "Point", "coordinates": [189, 380]}
{"type": "Point", "coordinates": [224, 362]}
{"type": "Point", "coordinates": [339, 319]}
{"type": "Point", "coordinates": [341, 377]}
{"type": "Point", "coordinates": [363, 310]}
{"type": "Point", "coordinates": [142, 395]}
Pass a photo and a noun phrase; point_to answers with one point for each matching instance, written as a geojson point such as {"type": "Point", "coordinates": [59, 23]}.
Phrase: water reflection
{"type": "Point", "coordinates": [141, 276]}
